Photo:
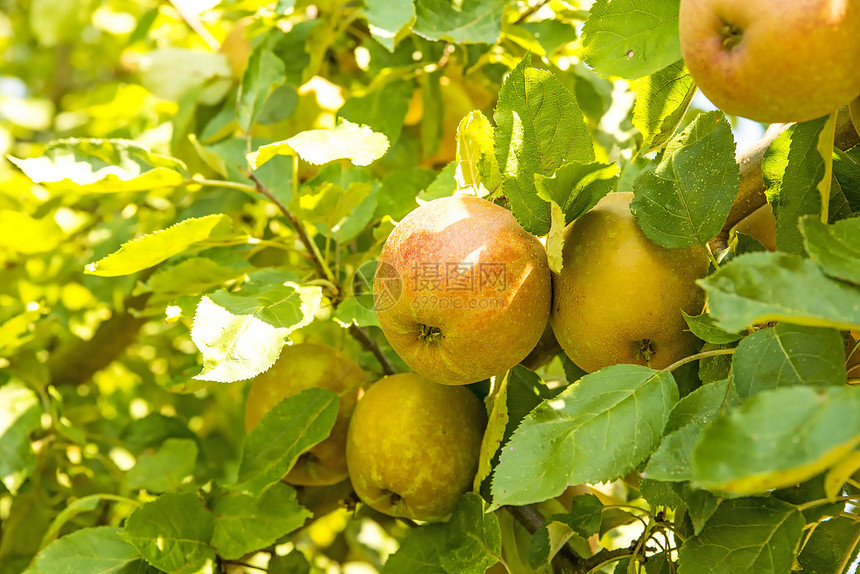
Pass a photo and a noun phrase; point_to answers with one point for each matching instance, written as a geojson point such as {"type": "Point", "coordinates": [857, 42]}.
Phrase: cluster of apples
{"type": "Point", "coordinates": [773, 61]}
{"type": "Point", "coordinates": [463, 292]}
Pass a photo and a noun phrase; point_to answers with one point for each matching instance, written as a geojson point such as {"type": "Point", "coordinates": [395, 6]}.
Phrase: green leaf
{"type": "Point", "coordinates": [396, 195]}
{"type": "Point", "coordinates": [101, 166]}
{"type": "Point", "coordinates": [263, 74]}
{"type": "Point", "coordinates": [756, 288]}
{"type": "Point", "coordinates": [778, 438]}
{"type": "Point", "coordinates": [28, 235]}
{"type": "Point", "coordinates": [20, 413]}
{"type": "Point", "coordinates": [662, 99]}
{"type": "Point", "coordinates": [164, 72]}
{"type": "Point", "coordinates": [836, 248]}
{"type": "Point", "coordinates": [100, 549]}
{"type": "Point", "coordinates": [165, 469]}
{"type": "Point", "coordinates": [788, 355]}
{"type": "Point", "coordinates": [703, 405]}
{"type": "Point", "coordinates": [569, 439]}
{"type": "Point", "coordinates": [150, 250]}
{"type": "Point", "coordinates": [387, 19]}
{"type": "Point", "coordinates": [745, 535]}
{"type": "Point", "coordinates": [345, 212]}
{"type": "Point", "coordinates": [684, 199]}
{"type": "Point", "coordinates": [700, 504]}
{"type": "Point", "coordinates": [671, 461]}
{"type": "Point", "coordinates": [572, 190]}
{"type": "Point", "coordinates": [244, 523]}
{"type": "Point", "coordinates": [172, 532]}
{"type": "Point", "coordinates": [631, 38]}
{"type": "Point", "coordinates": [469, 543]}
{"type": "Point", "coordinates": [290, 428]}
{"type": "Point", "coordinates": [585, 516]}
{"type": "Point", "coordinates": [539, 127]}
{"type": "Point", "coordinates": [825, 550]}
{"type": "Point", "coordinates": [577, 187]}
{"type": "Point", "coordinates": [792, 168]}
{"type": "Point", "coordinates": [474, 541]}
{"type": "Point", "coordinates": [359, 144]}
{"type": "Point", "coordinates": [241, 334]}
{"type": "Point", "coordinates": [466, 22]}
{"type": "Point", "coordinates": [706, 328]}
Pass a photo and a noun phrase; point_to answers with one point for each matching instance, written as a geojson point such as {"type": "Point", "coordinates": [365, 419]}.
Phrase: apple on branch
{"type": "Point", "coordinates": [462, 291]}
{"type": "Point", "coordinates": [773, 61]}
{"type": "Point", "coordinates": [413, 446]}
{"type": "Point", "coordinates": [619, 296]}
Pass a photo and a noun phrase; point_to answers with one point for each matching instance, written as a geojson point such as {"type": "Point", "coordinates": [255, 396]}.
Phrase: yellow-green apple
{"type": "Point", "coordinates": [413, 446]}
{"type": "Point", "coordinates": [773, 61]}
{"type": "Point", "coordinates": [461, 290]}
{"type": "Point", "coordinates": [301, 367]}
{"type": "Point", "coordinates": [619, 296]}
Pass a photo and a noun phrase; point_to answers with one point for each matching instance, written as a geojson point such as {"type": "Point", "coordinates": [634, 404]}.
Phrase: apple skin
{"type": "Point", "coordinates": [301, 367]}
{"type": "Point", "coordinates": [413, 446]}
{"type": "Point", "coordinates": [619, 296]}
{"type": "Point", "coordinates": [773, 61]}
{"type": "Point", "coordinates": [459, 329]}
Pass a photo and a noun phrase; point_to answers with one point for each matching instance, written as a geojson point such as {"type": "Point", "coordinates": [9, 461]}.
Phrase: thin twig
{"type": "Point", "coordinates": [324, 273]}
{"type": "Point", "coordinates": [370, 345]}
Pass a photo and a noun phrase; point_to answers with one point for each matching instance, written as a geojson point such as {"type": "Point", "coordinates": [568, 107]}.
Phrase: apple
{"type": "Point", "coordinates": [413, 446]}
{"type": "Point", "coordinates": [760, 225]}
{"type": "Point", "coordinates": [461, 290]}
{"type": "Point", "coordinates": [619, 296]}
{"type": "Point", "coordinates": [769, 61]}
{"type": "Point", "coordinates": [299, 367]}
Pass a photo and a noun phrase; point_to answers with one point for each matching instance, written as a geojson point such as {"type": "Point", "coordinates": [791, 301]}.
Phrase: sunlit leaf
{"type": "Point", "coordinates": [568, 439]}
{"type": "Point", "coordinates": [778, 438]}
{"type": "Point", "coordinates": [662, 98]}
{"type": "Point", "coordinates": [631, 38]}
{"type": "Point", "coordinates": [240, 334]}
{"type": "Point", "coordinates": [476, 160]}
{"type": "Point", "coordinates": [150, 250]}
{"type": "Point", "coordinates": [172, 532]}
{"type": "Point", "coordinates": [759, 287]}
{"type": "Point", "coordinates": [684, 199]}
{"type": "Point", "coordinates": [359, 144]}
{"type": "Point", "coordinates": [539, 127]}
{"type": "Point", "coordinates": [101, 166]}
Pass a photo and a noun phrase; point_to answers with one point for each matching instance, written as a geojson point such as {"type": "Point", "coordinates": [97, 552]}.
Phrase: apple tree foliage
{"type": "Point", "coordinates": [186, 187]}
